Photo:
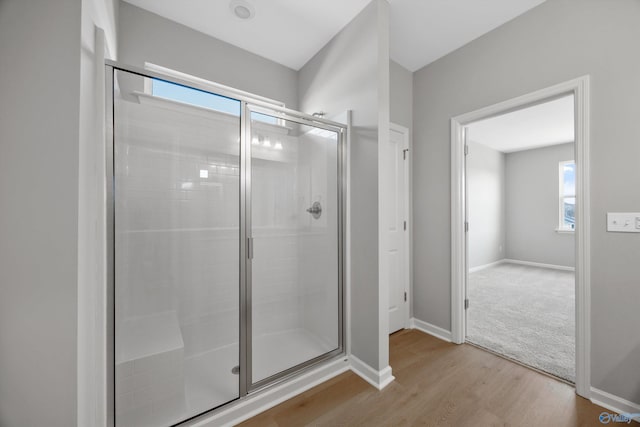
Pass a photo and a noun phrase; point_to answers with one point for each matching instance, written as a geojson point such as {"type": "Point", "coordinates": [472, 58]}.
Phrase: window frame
{"type": "Point", "coordinates": [213, 86]}
{"type": "Point", "coordinates": [561, 196]}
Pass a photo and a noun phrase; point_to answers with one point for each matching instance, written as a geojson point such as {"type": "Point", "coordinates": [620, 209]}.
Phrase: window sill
{"type": "Point", "coordinates": [565, 231]}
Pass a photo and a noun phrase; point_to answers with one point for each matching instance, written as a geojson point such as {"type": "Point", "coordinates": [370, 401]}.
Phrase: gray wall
{"type": "Point", "coordinates": [401, 95]}
{"type": "Point", "coordinates": [355, 85]}
{"type": "Point", "coordinates": [39, 132]}
{"type": "Point", "coordinates": [147, 37]}
{"type": "Point", "coordinates": [487, 204]}
{"type": "Point", "coordinates": [532, 206]}
{"type": "Point", "coordinates": [554, 42]}
{"type": "Point", "coordinates": [513, 206]}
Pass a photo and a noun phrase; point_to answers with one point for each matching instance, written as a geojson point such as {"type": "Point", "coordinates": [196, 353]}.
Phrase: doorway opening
{"type": "Point", "coordinates": [578, 90]}
{"type": "Point", "coordinates": [520, 190]}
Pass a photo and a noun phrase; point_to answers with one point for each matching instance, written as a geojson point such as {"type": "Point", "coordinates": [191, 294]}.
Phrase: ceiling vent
{"type": "Point", "coordinates": [242, 9]}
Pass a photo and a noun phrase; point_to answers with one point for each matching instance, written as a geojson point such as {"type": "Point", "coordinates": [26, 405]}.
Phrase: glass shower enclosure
{"type": "Point", "coordinates": [225, 217]}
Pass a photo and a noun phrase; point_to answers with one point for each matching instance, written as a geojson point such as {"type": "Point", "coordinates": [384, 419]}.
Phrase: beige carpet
{"type": "Point", "coordinates": [525, 313]}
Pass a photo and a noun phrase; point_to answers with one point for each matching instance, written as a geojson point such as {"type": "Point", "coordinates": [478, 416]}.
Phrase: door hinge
{"type": "Point", "coordinates": [404, 153]}
{"type": "Point", "coordinates": [466, 226]}
{"type": "Point", "coordinates": [466, 304]}
{"type": "Point", "coordinates": [250, 247]}
{"type": "Point", "coordinates": [405, 297]}
{"type": "Point", "coordinates": [466, 150]}
{"type": "Point", "coordinates": [405, 226]}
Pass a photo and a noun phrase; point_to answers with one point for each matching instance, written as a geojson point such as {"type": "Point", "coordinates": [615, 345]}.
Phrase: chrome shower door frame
{"type": "Point", "coordinates": [248, 104]}
{"type": "Point", "coordinates": [341, 132]}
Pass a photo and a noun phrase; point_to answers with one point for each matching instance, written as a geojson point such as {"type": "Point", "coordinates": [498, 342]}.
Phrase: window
{"type": "Point", "coordinates": [164, 89]}
{"type": "Point", "coordinates": [567, 206]}
{"type": "Point", "coordinates": [200, 98]}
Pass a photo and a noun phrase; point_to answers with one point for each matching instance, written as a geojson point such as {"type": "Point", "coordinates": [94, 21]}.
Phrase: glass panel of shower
{"type": "Point", "coordinates": [226, 245]}
{"type": "Point", "coordinates": [176, 200]}
{"type": "Point", "coordinates": [295, 231]}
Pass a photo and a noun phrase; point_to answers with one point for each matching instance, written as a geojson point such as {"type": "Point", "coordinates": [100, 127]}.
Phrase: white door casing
{"type": "Point", "coordinates": [397, 192]}
{"type": "Point", "coordinates": [465, 133]}
{"type": "Point", "coordinates": [579, 87]}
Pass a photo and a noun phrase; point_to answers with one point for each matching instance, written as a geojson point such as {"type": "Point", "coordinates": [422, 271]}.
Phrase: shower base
{"type": "Point", "coordinates": [276, 352]}
{"type": "Point", "coordinates": [209, 382]}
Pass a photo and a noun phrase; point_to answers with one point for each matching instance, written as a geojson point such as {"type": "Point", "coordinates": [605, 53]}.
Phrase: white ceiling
{"type": "Point", "coordinates": [425, 30]}
{"type": "Point", "coordinates": [290, 32]}
{"type": "Point", "coordinates": [545, 124]}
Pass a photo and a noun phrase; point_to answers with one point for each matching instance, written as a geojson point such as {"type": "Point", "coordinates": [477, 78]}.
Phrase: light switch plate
{"type": "Point", "coordinates": [623, 222]}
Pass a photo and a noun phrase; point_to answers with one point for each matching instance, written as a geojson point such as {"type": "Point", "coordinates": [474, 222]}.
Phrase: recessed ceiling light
{"type": "Point", "coordinates": [242, 9]}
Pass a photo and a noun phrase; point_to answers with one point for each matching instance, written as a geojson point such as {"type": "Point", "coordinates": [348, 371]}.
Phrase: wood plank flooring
{"type": "Point", "coordinates": [437, 384]}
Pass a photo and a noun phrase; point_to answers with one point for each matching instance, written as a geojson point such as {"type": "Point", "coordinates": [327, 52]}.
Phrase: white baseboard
{"type": "Point", "coordinates": [378, 379]}
{"type": "Point", "coordinates": [244, 409]}
{"type": "Point", "coordinates": [539, 264]}
{"type": "Point", "coordinates": [482, 267]}
{"type": "Point", "coordinates": [430, 329]}
{"type": "Point", "coordinates": [615, 403]}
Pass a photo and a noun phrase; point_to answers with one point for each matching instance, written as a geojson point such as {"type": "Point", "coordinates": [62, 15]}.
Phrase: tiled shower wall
{"type": "Point", "coordinates": [177, 241]}
{"type": "Point", "coordinates": [318, 238]}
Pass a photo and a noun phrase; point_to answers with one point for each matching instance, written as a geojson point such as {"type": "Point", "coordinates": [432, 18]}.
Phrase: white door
{"type": "Point", "coordinates": [397, 228]}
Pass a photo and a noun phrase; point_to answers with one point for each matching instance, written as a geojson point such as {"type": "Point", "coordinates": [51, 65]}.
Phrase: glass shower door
{"type": "Point", "coordinates": [295, 281]}
{"type": "Point", "coordinates": [176, 199]}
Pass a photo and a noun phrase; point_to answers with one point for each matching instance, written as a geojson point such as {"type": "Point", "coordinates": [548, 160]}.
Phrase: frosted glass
{"type": "Point", "coordinates": [295, 286]}
{"type": "Point", "coordinates": [176, 191]}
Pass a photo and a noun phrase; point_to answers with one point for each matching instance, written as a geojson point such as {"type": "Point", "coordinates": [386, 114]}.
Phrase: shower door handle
{"type": "Point", "coordinates": [250, 247]}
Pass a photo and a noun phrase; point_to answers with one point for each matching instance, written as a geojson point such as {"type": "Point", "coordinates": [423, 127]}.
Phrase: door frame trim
{"type": "Point", "coordinates": [407, 241]}
{"type": "Point", "coordinates": [579, 87]}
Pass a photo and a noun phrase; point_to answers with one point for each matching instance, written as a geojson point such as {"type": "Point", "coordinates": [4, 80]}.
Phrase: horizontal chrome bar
{"type": "Point", "coordinates": [322, 124]}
